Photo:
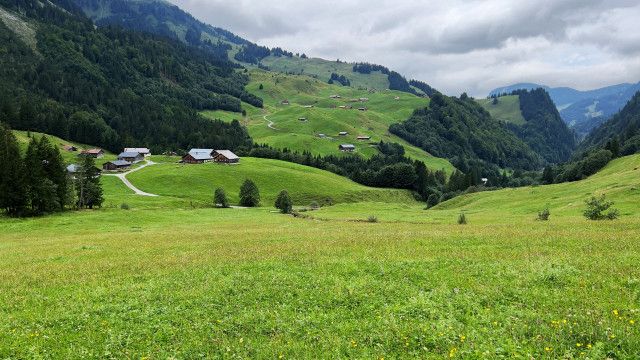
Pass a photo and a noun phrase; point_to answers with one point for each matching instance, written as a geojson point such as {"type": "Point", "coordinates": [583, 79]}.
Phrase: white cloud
{"type": "Point", "coordinates": [455, 46]}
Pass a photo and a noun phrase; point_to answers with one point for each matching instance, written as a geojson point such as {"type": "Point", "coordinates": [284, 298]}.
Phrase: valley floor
{"type": "Point", "coordinates": [170, 278]}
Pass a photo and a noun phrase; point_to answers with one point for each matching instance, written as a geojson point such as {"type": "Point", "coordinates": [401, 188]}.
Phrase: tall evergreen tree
{"type": "Point", "coordinates": [12, 187]}
{"type": "Point", "coordinates": [88, 187]}
{"type": "Point", "coordinates": [249, 194]}
{"type": "Point", "coordinates": [42, 192]}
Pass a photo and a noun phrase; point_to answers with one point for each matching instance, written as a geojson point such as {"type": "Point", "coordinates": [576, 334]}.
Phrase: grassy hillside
{"type": "Point", "coordinates": [325, 117]}
{"type": "Point", "coordinates": [70, 157]}
{"type": "Point", "coordinates": [250, 283]}
{"type": "Point", "coordinates": [619, 181]}
{"type": "Point", "coordinates": [196, 183]}
{"type": "Point", "coordinates": [507, 109]}
{"type": "Point", "coordinates": [322, 69]}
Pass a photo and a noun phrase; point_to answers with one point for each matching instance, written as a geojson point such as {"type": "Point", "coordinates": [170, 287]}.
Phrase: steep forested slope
{"type": "Point", "coordinates": [622, 132]}
{"type": "Point", "coordinates": [113, 87]}
{"type": "Point", "coordinates": [543, 130]}
{"type": "Point", "coordinates": [462, 131]}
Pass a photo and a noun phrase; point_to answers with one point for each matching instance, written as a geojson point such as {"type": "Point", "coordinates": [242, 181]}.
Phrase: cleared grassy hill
{"type": "Point", "coordinates": [196, 183]}
{"type": "Point", "coordinates": [322, 70]}
{"type": "Point", "coordinates": [309, 99]}
{"type": "Point", "coordinates": [507, 109]}
{"type": "Point", "coordinates": [70, 157]}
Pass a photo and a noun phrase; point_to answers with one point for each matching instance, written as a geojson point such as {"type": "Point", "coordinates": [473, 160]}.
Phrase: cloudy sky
{"type": "Point", "coordinates": [454, 45]}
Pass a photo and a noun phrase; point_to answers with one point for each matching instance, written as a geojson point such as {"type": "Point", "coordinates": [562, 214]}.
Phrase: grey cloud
{"type": "Point", "coordinates": [458, 45]}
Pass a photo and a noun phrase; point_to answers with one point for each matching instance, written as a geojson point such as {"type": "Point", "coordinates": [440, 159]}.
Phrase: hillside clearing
{"type": "Point", "coordinates": [507, 109]}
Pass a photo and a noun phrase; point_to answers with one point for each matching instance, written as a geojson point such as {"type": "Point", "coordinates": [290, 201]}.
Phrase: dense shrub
{"type": "Point", "coordinates": [596, 208]}
{"type": "Point", "coordinates": [220, 198]}
{"type": "Point", "coordinates": [283, 202]}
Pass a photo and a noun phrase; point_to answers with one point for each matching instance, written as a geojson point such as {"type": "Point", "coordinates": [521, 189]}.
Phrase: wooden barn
{"type": "Point", "coordinates": [94, 153]}
{"type": "Point", "coordinates": [198, 156]}
{"type": "Point", "coordinates": [116, 165]}
{"type": "Point", "coordinates": [144, 151]}
{"type": "Point", "coordinates": [225, 157]}
{"type": "Point", "coordinates": [347, 148]}
{"type": "Point", "coordinates": [131, 156]}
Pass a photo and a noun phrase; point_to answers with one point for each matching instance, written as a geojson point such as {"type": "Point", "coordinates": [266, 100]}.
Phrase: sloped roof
{"type": "Point", "coordinates": [119, 163]}
{"type": "Point", "coordinates": [348, 146]}
{"type": "Point", "coordinates": [138, 150]}
{"type": "Point", "coordinates": [228, 154]}
{"type": "Point", "coordinates": [201, 154]}
{"type": "Point", "coordinates": [92, 151]}
{"type": "Point", "coordinates": [129, 154]}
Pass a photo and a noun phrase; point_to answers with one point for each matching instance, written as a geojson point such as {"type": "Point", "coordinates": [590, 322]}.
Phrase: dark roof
{"type": "Point", "coordinates": [119, 163]}
{"type": "Point", "coordinates": [129, 154]}
{"type": "Point", "coordinates": [347, 146]}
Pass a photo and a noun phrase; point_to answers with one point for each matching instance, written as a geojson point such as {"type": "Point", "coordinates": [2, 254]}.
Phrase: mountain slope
{"type": "Point", "coordinates": [161, 18]}
{"type": "Point", "coordinates": [623, 129]}
{"type": "Point", "coordinates": [463, 132]}
{"type": "Point", "coordinates": [543, 130]}
{"type": "Point", "coordinates": [582, 110]}
{"type": "Point", "coordinates": [112, 87]}
{"type": "Point", "coordinates": [504, 108]}
{"type": "Point", "coordinates": [280, 125]}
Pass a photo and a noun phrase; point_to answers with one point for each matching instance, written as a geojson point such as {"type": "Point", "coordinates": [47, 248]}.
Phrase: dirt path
{"type": "Point", "coordinates": [122, 176]}
{"type": "Point", "coordinates": [269, 123]}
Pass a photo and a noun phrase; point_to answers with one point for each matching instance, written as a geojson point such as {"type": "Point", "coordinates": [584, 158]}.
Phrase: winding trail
{"type": "Point", "coordinates": [269, 123]}
{"type": "Point", "coordinates": [122, 176]}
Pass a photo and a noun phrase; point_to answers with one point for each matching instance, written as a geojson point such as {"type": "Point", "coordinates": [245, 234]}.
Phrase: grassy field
{"type": "Point", "coordinates": [197, 183]}
{"type": "Point", "coordinates": [166, 280]}
{"type": "Point", "coordinates": [70, 157]}
{"type": "Point", "coordinates": [507, 109]}
{"type": "Point", "coordinates": [322, 69]}
{"type": "Point", "coordinates": [325, 117]}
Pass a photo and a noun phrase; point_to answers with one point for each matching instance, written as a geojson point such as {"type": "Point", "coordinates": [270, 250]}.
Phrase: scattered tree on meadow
{"type": "Point", "coordinates": [462, 219]}
{"type": "Point", "coordinates": [544, 214]}
{"type": "Point", "coordinates": [596, 208]}
{"type": "Point", "coordinates": [220, 198]}
{"type": "Point", "coordinates": [88, 187]}
{"type": "Point", "coordinates": [249, 194]}
{"type": "Point", "coordinates": [284, 203]}
{"type": "Point", "coordinates": [45, 177]}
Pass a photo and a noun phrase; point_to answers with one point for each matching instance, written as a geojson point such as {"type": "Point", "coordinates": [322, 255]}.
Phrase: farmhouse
{"type": "Point", "coordinates": [363, 99]}
{"type": "Point", "coordinates": [285, 102]}
{"type": "Point", "coordinates": [225, 156]}
{"type": "Point", "coordinates": [302, 118]}
{"type": "Point", "coordinates": [144, 151]}
{"type": "Point", "coordinates": [94, 153]}
{"type": "Point", "coordinates": [343, 133]}
{"type": "Point", "coordinates": [73, 169]}
{"type": "Point", "coordinates": [363, 137]}
{"type": "Point", "coordinates": [131, 156]}
{"type": "Point", "coordinates": [116, 165]}
{"type": "Point", "coordinates": [322, 135]}
{"type": "Point", "coordinates": [362, 108]}
{"type": "Point", "coordinates": [347, 148]}
{"type": "Point", "coordinates": [342, 106]}
{"type": "Point", "coordinates": [198, 156]}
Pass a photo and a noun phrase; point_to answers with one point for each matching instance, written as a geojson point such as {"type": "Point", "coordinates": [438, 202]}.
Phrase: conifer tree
{"type": "Point", "coordinates": [13, 197]}
{"type": "Point", "coordinates": [284, 203]}
{"type": "Point", "coordinates": [88, 187]}
{"type": "Point", "coordinates": [249, 194]}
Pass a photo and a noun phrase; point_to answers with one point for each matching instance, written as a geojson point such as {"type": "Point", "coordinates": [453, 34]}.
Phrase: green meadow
{"type": "Point", "coordinates": [507, 109]}
{"type": "Point", "coordinates": [312, 112]}
{"type": "Point", "coordinates": [175, 278]}
{"type": "Point", "coordinates": [69, 157]}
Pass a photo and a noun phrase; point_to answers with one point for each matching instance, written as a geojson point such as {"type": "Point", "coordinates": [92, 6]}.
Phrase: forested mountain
{"type": "Point", "coordinates": [621, 134]}
{"type": "Point", "coordinates": [109, 86]}
{"type": "Point", "coordinates": [582, 110]}
{"type": "Point", "coordinates": [162, 18]}
{"type": "Point", "coordinates": [466, 134]}
{"type": "Point", "coordinates": [543, 130]}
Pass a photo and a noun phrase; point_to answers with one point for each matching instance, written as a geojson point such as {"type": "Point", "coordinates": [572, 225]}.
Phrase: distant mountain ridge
{"type": "Point", "coordinates": [582, 110]}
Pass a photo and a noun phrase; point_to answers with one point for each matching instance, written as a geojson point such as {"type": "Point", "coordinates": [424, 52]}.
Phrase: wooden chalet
{"type": "Point", "coordinates": [116, 165]}
{"type": "Point", "coordinates": [347, 148]}
{"type": "Point", "coordinates": [94, 153]}
{"type": "Point", "coordinates": [343, 133]}
{"type": "Point", "coordinates": [225, 157]}
{"type": "Point", "coordinates": [131, 156]}
{"type": "Point", "coordinates": [144, 151]}
{"type": "Point", "coordinates": [198, 156]}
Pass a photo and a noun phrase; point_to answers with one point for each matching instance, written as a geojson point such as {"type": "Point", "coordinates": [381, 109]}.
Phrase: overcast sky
{"type": "Point", "coordinates": [455, 46]}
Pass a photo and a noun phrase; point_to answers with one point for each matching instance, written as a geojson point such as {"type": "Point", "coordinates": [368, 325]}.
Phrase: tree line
{"type": "Point", "coordinates": [37, 182]}
{"type": "Point", "coordinates": [112, 87]}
